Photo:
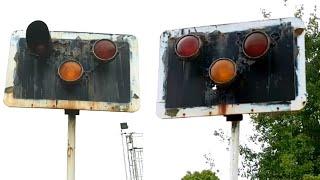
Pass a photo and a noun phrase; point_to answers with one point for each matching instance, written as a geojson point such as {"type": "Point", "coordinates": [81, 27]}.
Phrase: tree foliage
{"type": "Point", "coordinates": [203, 175]}
{"type": "Point", "coordinates": [290, 142]}
{"type": "Point", "coordinates": [310, 177]}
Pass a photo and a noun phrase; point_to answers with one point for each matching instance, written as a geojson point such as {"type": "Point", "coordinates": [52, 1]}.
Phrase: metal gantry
{"type": "Point", "coordinates": [133, 153]}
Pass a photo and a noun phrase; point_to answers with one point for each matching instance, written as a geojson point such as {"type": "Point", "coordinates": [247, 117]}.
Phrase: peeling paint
{"type": "Point", "coordinates": [135, 96]}
{"type": "Point", "coordinates": [172, 112]}
{"type": "Point", "coordinates": [8, 90]}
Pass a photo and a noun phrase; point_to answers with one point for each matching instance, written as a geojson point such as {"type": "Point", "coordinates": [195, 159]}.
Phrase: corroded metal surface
{"type": "Point", "coordinates": [184, 89]}
{"type": "Point", "coordinates": [27, 89]}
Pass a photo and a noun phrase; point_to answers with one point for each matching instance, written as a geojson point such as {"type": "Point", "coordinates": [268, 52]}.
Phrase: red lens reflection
{"type": "Point", "coordinates": [105, 49]}
{"type": "Point", "coordinates": [256, 45]}
{"type": "Point", "coordinates": [188, 46]}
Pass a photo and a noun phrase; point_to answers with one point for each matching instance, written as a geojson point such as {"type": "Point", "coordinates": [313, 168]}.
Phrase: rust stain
{"type": "Point", "coordinates": [222, 109]}
{"type": "Point", "coordinates": [10, 101]}
{"type": "Point", "coordinates": [116, 108]}
{"type": "Point", "coordinates": [70, 150]}
{"type": "Point", "coordinates": [298, 31]}
{"type": "Point", "coordinates": [125, 108]}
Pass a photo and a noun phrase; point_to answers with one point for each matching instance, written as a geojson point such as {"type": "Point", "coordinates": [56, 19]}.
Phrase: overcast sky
{"type": "Point", "coordinates": [33, 142]}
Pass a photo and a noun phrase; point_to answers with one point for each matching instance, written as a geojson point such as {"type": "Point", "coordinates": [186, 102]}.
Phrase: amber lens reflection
{"type": "Point", "coordinates": [222, 71]}
{"type": "Point", "coordinates": [70, 71]}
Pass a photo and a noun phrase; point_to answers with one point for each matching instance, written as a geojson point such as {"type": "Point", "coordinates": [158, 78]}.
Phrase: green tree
{"type": "Point", "coordinates": [203, 175]}
{"type": "Point", "coordinates": [290, 142]}
{"type": "Point", "coordinates": [310, 177]}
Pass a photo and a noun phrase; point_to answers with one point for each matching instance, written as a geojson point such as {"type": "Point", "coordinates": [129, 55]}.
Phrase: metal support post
{"type": "Point", "coordinates": [235, 145]}
{"type": "Point", "coordinates": [71, 143]}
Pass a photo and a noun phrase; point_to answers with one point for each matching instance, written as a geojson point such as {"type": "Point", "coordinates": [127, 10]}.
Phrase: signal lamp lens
{"type": "Point", "coordinates": [256, 44]}
{"type": "Point", "coordinates": [222, 71]}
{"type": "Point", "coordinates": [104, 50]}
{"type": "Point", "coordinates": [38, 39]}
{"type": "Point", "coordinates": [70, 71]}
{"type": "Point", "coordinates": [188, 46]}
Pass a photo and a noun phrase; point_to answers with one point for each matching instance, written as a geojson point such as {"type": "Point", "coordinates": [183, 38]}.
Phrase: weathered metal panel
{"type": "Point", "coordinates": [185, 89]}
{"type": "Point", "coordinates": [270, 79]}
{"type": "Point", "coordinates": [111, 86]}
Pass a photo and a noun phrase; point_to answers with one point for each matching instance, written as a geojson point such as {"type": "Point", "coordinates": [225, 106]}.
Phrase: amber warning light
{"type": "Point", "coordinates": [222, 71]}
{"type": "Point", "coordinates": [70, 71]}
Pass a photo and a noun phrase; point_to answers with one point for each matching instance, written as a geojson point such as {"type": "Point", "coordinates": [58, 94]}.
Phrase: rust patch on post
{"type": "Point", "coordinates": [70, 150]}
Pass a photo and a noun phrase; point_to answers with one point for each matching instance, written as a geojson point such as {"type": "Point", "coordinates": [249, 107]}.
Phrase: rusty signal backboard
{"type": "Point", "coordinates": [268, 77]}
{"type": "Point", "coordinates": [106, 86]}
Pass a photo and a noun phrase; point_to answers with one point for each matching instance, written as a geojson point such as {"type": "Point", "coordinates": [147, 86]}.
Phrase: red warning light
{"type": "Point", "coordinates": [188, 46]}
{"type": "Point", "coordinates": [105, 50]}
{"type": "Point", "coordinates": [256, 44]}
